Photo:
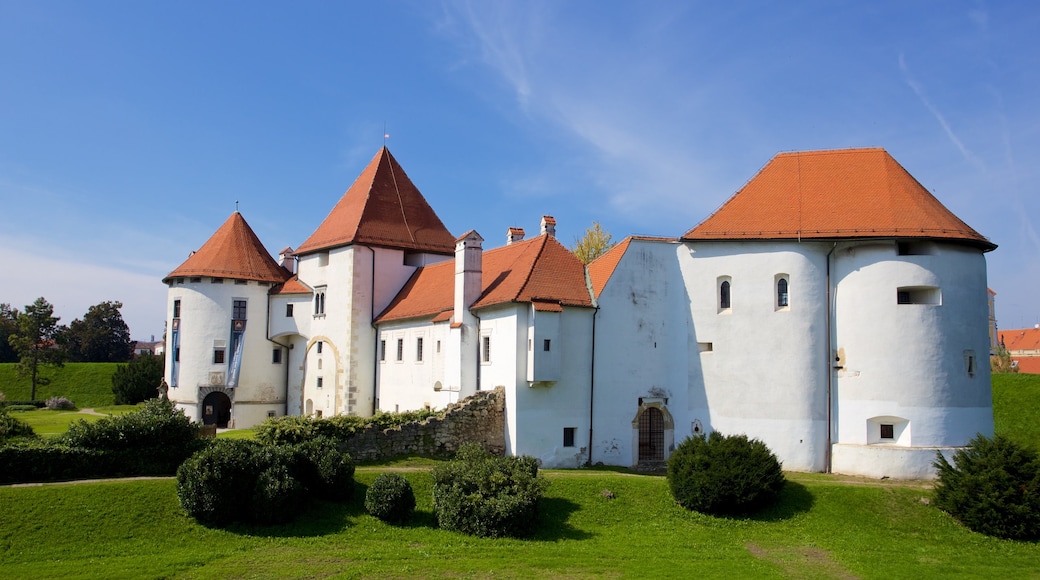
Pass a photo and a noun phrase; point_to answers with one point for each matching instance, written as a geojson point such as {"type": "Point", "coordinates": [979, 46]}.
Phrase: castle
{"type": "Point", "coordinates": [832, 308]}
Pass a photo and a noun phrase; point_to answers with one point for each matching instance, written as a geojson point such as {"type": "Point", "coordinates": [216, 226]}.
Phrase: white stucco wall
{"type": "Point", "coordinates": [410, 384]}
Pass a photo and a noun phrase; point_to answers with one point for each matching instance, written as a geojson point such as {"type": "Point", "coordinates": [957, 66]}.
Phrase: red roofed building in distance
{"type": "Point", "coordinates": [832, 307]}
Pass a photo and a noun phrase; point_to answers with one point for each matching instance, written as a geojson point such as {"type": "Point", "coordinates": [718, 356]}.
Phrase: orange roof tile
{"type": "Point", "coordinates": [1022, 339]}
{"type": "Point", "coordinates": [539, 269]}
{"type": "Point", "coordinates": [1028, 364]}
{"type": "Point", "coordinates": [839, 194]}
{"type": "Point", "coordinates": [382, 208]}
{"type": "Point", "coordinates": [292, 286]}
{"type": "Point", "coordinates": [602, 268]}
{"type": "Point", "coordinates": [233, 251]}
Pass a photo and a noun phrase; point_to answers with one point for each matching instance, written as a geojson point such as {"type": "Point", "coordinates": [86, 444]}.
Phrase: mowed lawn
{"type": "Point", "coordinates": [85, 384]}
{"type": "Point", "coordinates": [825, 527]}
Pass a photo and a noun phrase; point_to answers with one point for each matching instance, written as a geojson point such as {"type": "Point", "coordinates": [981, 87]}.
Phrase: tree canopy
{"type": "Point", "coordinates": [102, 335]}
{"type": "Point", "coordinates": [8, 327]}
{"type": "Point", "coordinates": [36, 342]}
{"type": "Point", "coordinates": [593, 244]}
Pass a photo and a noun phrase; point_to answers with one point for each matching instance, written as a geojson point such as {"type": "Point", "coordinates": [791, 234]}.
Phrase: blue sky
{"type": "Point", "coordinates": [128, 130]}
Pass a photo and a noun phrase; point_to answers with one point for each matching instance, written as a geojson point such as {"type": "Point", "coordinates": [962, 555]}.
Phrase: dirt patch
{"type": "Point", "coordinates": [802, 561]}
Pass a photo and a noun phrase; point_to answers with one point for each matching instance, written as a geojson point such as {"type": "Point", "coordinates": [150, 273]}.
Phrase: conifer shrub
{"type": "Point", "coordinates": [12, 427]}
{"type": "Point", "coordinates": [992, 487]}
{"type": "Point", "coordinates": [724, 475]}
{"type": "Point", "coordinates": [483, 495]}
{"type": "Point", "coordinates": [138, 380]}
{"type": "Point", "coordinates": [390, 498]}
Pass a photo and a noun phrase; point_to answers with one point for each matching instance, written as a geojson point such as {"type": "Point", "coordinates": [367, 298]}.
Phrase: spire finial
{"type": "Point", "coordinates": [385, 134]}
{"type": "Point", "coordinates": [236, 206]}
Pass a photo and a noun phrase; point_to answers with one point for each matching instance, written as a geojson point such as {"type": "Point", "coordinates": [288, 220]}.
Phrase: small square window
{"type": "Point", "coordinates": [545, 345]}
{"type": "Point", "coordinates": [568, 436]}
{"type": "Point", "coordinates": [288, 310]}
{"type": "Point", "coordinates": [218, 356]}
{"type": "Point", "coordinates": [887, 431]}
{"type": "Point", "coordinates": [276, 356]}
{"type": "Point", "coordinates": [270, 414]}
{"type": "Point", "coordinates": [321, 382]}
{"type": "Point", "coordinates": [217, 281]}
{"type": "Point", "coordinates": [241, 282]}
{"type": "Point", "coordinates": [196, 279]}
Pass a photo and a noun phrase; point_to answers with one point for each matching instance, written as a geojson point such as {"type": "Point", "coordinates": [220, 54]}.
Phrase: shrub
{"type": "Point", "coordinates": [138, 380]}
{"type": "Point", "coordinates": [482, 495]}
{"type": "Point", "coordinates": [724, 475]}
{"type": "Point", "coordinates": [277, 494]}
{"type": "Point", "coordinates": [390, 498]}
{"type": "Point", "coordinates": [324, 470]}
{"type": "Point", "coordinates": [216, 485]}
{"type": "Point", "coordinates": [60, 404]}
{"type": "Point", "coordinates": [298, 429]}
{"type": "Point", "coordinates": [993, 487]}
{"type": "Point", "coordinates": [11, 427]}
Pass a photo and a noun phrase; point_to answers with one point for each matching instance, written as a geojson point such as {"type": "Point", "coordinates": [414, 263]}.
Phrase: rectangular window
{"type": "Point", "coordinates": [238, 309]}
{"type": "Point", "coordinates": [270, 414]}
{"type": "Point", "coordinates": [177, 354]}
{"type": "Point", "coordinates": [418, 349]}
{"type": "Point", "coordinates": [241, 282]}
{"type": "Point", "coordinates": [218, 356]}
{"type": "Point", "coordinates": [438, 347]}
{"type": "Point", "coordinates": [400, 349]}
{"type": "Point", "coordinates": [382, 350]}
{"type": "Point", "coordinates": [196, 279]}
{"type": "Point", "coordinates": [545, 345]}
{"type": "Point", "coordinates": [319, 302]}
{"type": "Point", "coordinates": [176, 308]}
{"type": "Point", "coordinates": [217, 281]}
{"type": "Point", "coordinates": [485, 344]}
{"type": "Point", "coordinates": [288, 310]}
{"type": "Point", "coordinates": [320, 345]}
{"type": "Point", "coordinates": [568, 436]}
{"type": "Point", "coordinates": [887, 431]}
{"type": "Point", "coordinates": [276, 356]}
{"type": "Point", "coordinates": [321, 382]}
{"type": "Point", "coordinates": [918, 295]}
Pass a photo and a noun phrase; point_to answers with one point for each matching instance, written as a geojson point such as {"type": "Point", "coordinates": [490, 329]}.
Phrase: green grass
{"type": "Point", "coordinates": [51, 423]}
{"type": "Point", "coordinates": [822, 529]}
{"type": "Point", "coordinates": [85, 384]}
{"type": "Point", "coordinates": [237, 434]}
{"type": "Point", "coordinates": [1016, 407]}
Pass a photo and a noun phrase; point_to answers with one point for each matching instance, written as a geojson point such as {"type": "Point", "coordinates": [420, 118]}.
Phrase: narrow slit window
{"type": "Point", "coordinates": [781, 293]}
{"type": "Point", "coordinates": [724, 290]}
{"type": "Point", "coordinates": [276, 356]}
{"type": "Point", "coordinates": [546, 345]}
{"type": "Point", "coordinates": [486, 348]}
{"type": "Point", "coordinates": [288, 310]}
{"type": "Point", "coordinates": [400, 349]}
{"type": "Point", "coordinates": [568, 436]}
{"type": "Point", "coordinates": [382, 350]}
{"type": "Point", "coordinates": [418, 349]}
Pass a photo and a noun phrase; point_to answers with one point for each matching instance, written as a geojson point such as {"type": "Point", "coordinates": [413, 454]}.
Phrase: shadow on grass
{"type": "Point", "coordinates": [553, 513]}
{"type": "Point", "coordinates": [794, 499]}
{"type": "Point", "coordinates": [318, 518]}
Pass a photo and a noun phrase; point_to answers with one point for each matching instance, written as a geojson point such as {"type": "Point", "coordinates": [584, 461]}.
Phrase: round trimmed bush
{"type": "Point", "coordinates": [215, 485]}
{"type": "Point", "coordinates": [390, 498]}
{"type": "Point", "coordinates": [724, 475]}
{"type": "Point", "coordinates": [992, 487]}
{"type": "Point", "coordinates": [325, 470]}
{"type": "Point", "coordinates": [277, 495]}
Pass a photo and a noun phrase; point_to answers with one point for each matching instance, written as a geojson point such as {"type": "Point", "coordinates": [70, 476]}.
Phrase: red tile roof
{"type": "Point", "coordinates": [292, 286]}
{"type": "Point", "coordinates": [1022, 339]}
{"type": "Point", "coordinates": [537, 270]}
{"type": "Point", "coordinates": [839, 194]}
{"type": "Point", "coordinates": [233, 251]}
{"type": "Point", "coordinates": [382, 208]}
{"type": "Point", "coordinates": [1028, 364]}
{"type": "Point", "coordinates": [602, 268]}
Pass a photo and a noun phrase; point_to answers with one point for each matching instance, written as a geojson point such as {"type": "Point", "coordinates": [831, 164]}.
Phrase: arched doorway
{"type": "Point", "coordinates": [216, 410]}
{"type": "Point", "coordinates": [651, 435]}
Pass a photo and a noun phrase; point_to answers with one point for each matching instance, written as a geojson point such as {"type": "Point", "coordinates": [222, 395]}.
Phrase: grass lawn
{"type": "Point", "coordinates": [51, 423]}
{"type": "Point", "coordinates": [823, 528]}
{"type": "Point", "coordinates": [85, 384]}
{"type": "Point", "coordinates": [1016, 407]}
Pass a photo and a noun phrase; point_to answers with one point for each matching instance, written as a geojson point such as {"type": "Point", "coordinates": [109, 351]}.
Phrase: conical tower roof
{"type": "Point", "coordinates": [233, 251]}
{"type": "Point", "coordinates": [837, 194]}
{"type": "Point", "coordinates": [382, 208]}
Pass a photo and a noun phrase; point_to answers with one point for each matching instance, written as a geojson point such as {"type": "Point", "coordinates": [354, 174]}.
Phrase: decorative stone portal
{"type": "Point", "coordinates": [216, 409]}
{"type": "Point", "coordinates": [653, 433]}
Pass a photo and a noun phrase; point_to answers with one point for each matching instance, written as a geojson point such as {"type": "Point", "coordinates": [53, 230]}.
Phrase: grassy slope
{"type": "Point", "coordinates": [822, 529]}
{"type": "Point", "coordinates": [86, 384]}
{"type": "Point", "coordinates": [1016, 407]}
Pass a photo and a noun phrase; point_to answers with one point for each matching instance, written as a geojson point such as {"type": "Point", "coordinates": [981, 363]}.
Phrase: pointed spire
{"type": "Point", "coordinates": [382, 208]}
{"type": "Point", "coordinates": [233, 251]}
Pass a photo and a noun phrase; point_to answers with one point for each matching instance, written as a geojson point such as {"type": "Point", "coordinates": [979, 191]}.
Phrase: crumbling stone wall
{"type": "Point", "coordinates": [477, 419]}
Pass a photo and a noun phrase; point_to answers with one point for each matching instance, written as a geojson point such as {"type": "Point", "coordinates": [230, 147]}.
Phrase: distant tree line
{"type": "Point", "coordinates": [34, 339]}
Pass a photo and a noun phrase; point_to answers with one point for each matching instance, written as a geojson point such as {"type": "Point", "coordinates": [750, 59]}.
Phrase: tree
{"type": "Point", "coordinates": [101, 336]}
{"type": "Point", "coordinates": [36, 342]}
{"type": "Point", "coordinates": [1001, 361]}
{"type": "Point", "coordinates": [593, 244]}
{"type": "Point", "coordinates": [8, 327]}
{"type": "Point", "coordinates": [139, 380]}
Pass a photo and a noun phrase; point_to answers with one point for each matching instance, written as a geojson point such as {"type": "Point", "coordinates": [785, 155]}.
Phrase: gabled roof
{"type": "Point", "coordinates": [382, 208]}
{"type": "Point", "coordinates": [602, 268]}
{"type": "Point", "coordinates": [839, 194]}
{"type": "Point", "coordinates": [539, 270]}
{"type": "Point", "coordinates": [233, 251]}
{"type": "Point", "coordinates": [292, 286]}
{"type": "Point", "coordinates": [1023, 339]}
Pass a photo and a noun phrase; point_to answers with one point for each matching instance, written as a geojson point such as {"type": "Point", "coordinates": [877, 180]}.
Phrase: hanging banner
{"type": "Point", "coordinates": [238, 328]}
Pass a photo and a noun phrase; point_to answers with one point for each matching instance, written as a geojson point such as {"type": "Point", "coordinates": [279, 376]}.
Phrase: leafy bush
{"type": "Point", "coordinates": [993, 487]}
{"type": "Point", "coordinates": [239, 480]}
{"type": "Point", "coordinates": [60, 404]}
{"type": "Point", "coordinates": [16, 408]}
{"type": "Point", "coordinates": [290, 429]}
{"type": "Point", "coordinates": [724, 475]}
{"type": "Point", "coordinates": [390, 498]}
{"type": "Point", "coordinates": [11, 427]}
{"type": "Point", "coordinates": [24, 405]}
{"type": "Point", "coordinates": [483, 495]}
{"type": "Point", "coordinates": [138, 380]}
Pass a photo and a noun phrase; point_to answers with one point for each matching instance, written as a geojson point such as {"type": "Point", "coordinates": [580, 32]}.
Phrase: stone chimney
{"type": "Point", "coordinates": [287, 259]}
{"type": "Point", "coordinates": [514, 235]}
{"type": "Point", "coordinates": [468, 259]}
{"type": "Point", "coordinates": [549, 225]}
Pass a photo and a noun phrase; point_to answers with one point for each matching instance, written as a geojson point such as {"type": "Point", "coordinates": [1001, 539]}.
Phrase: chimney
{"type": "Point", "coordinates": [287, 259]}
{"type": "Point", "coordinates": [468, 258]}
{"type": "Point", "coordinates": [549, 225]}
{"type": "Point", "coordinates": [514, 235]}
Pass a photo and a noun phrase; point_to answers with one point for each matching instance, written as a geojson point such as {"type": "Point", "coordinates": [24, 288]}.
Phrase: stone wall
{"type": "Point", "coordinates": [476, 419]}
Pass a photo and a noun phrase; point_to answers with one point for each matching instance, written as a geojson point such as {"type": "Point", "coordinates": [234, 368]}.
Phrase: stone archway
{"type": "Point", "coordinates": [216, 409]}
{"type": "Point", "coordinates": [653, 433]}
